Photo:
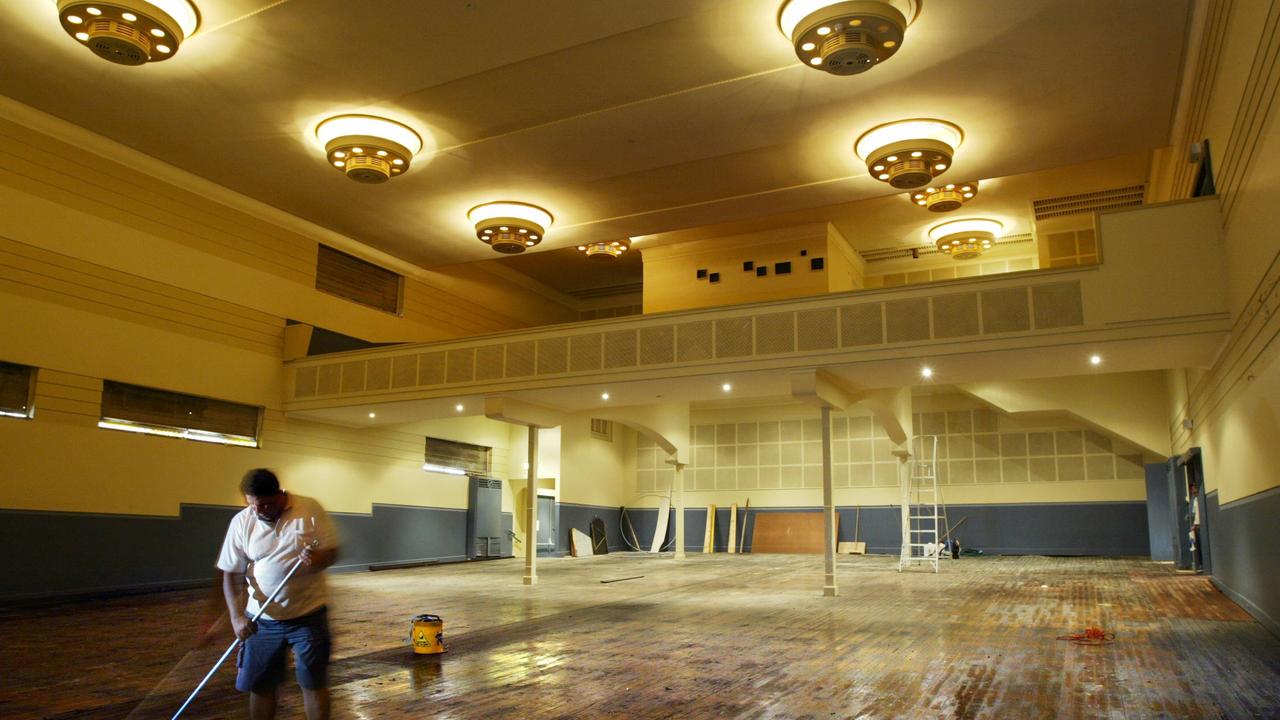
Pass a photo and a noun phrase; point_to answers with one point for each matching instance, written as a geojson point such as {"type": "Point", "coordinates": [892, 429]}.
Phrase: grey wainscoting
{"type": "Point", "coordinates": [64, 554]}
{"type": "Point", "coordinates": [1245, 535]}
{"type": "Point", "coordinates": [1101, 528]}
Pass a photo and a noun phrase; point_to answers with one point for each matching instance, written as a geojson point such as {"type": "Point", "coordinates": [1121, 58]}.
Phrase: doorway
{"type": "Point", "coordinates": [546, 524]}
{"type": "Point", "coordinates": [1197, 520]}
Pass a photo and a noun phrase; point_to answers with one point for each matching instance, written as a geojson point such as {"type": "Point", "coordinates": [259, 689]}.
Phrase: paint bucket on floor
{"type": "Point", "coordinates": [427, 635]}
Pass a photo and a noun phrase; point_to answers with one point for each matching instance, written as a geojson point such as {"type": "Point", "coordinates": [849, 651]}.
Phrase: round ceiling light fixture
{"type": "Point", "coordinates": [945, 198]}
{"type": "Point", "coordinates": [130, 32]}
{"type": "Point", "coordinates": [510, 227]}
{"type": "Point", "coordinates": [367, 148]}
{"type": "Point", "coordinates": [909, 154]}
{"type": "Point", "coordinates": [846, 37]}
{"type": "Point", "coordinates": [966, 239]}
{"type": "Point", "coordinates": [604, 250]}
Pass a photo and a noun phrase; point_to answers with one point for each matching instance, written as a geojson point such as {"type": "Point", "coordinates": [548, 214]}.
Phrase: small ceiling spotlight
{"type": "Point", "coordinates": [510, 227]}
{"type": "Point", "coordinates": [604, 250]}
{"type": "Point", "coordinates": [909, 154]}
{"type": "Point", "coordinates": [1095, 360]}
{"type": "Point", "coordinates": [373, 415]}
{"type": "Point", "coordinates": [604, 396]}
{"type": "Point", "coordinates": [368, 149]}
{"type": "Point", "coordinates": [130, 32]}
{"type": "Point", "coordinates": [846, 37]}
{"type": "Point", "coordinates": [458, 407]}
{"type": "Point", "coordinates": [965, 239]}
{"type": "Point", "coordinates": [945, 198]}
{"type": "Point", "coordinates": [726, 387]}
{"type": "Point", "coordinates": [926, 372]}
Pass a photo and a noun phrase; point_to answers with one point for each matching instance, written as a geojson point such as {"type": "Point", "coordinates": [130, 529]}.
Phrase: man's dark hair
{"type": "Point", "coordinates": [260, 482]}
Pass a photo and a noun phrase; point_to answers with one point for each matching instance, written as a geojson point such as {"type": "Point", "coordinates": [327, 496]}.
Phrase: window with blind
{"type": "Point", "coordinates": [457, 458]}
{"type": "Point", "coordinates": [134, 408]}
{"type": "Point", "coordinates": [347, 276]}
{"type": "Point", "coordinates": [17, 385]}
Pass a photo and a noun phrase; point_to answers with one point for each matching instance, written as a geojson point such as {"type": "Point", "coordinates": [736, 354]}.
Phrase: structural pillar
{"type": "Point", "coordinates": [531, 513]}
{"type": "Point", "coordinates": [677, 492]}
{"type": "Point", "coordinates": [828, 506]}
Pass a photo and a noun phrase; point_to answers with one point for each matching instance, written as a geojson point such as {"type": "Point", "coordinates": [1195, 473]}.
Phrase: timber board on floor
{"type": "Point", "coordinates": [716, 636]}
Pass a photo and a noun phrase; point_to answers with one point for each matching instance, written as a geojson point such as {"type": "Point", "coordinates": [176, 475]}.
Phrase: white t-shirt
{"type": "Point", "coordinates": [263, 552]}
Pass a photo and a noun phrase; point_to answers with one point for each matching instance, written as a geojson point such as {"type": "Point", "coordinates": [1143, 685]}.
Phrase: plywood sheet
{"type": "Point", "coordinates": [579, 543]}
{"type": "Point", "coordinates": [733, 529]}
{"type": "Point", "coordinates": [789, 532]}
{"type": "Point", "coordinates": [660, 530]}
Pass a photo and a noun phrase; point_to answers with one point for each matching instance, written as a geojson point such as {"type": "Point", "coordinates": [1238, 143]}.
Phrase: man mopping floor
{"type": "Point", "coordinates": [264, 542]}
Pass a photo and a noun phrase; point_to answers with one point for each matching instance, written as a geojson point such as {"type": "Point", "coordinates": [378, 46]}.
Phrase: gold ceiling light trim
{"type": "Point", "coordinates": [604, 250]}
{"type": "Point", "coordinates": [510, 227]}
{"type": "Point", "coordinates": [367, 148]}
{"type": "Point", "coordinates": [945, 198]}
{"type": "Point", "coordinates": [846, 37]}
{"type": "Point", "coordinates": [966, 239]}
{"type": "Point", "coordinates": [130, 32]}
{"type": "Point", "coordinates": [909, 154]}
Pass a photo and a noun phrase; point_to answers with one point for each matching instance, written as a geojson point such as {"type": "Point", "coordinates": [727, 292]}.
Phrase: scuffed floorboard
{"type": "Point", "coordinates": [745, 636]}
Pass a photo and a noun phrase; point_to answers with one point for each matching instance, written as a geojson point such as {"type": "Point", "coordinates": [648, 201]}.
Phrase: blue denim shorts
{"type": "Point", "coordinates": [262, 657]}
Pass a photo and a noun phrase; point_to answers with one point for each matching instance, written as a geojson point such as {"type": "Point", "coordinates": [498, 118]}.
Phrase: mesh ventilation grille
{"type": "Point", "coordinates": [1063, 205]}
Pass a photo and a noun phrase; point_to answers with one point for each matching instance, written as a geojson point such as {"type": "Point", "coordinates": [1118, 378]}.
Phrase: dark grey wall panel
{"type": "Point", "coordinates": [1245, 535]}
{"type": "Point", "coordinates": [1160, 520]}
{"type": "Point", "coordinates": [51, 554]}
{"type": "Point", "coordinates": [398, 533]}
{"type": "Point", "coordinates": [1030, 529]}
{"type": "Point", "coordinates": [579, 517]}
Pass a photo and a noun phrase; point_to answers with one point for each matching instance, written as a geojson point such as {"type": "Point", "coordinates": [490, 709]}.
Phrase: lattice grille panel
{"type": "Point", "coordinates": [733, 337]}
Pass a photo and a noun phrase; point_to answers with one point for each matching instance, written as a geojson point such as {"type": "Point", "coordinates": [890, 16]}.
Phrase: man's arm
{"type": "Point", "coordinates": [315, 560]}
{"type": "Point", "coordinates": [231, 583]}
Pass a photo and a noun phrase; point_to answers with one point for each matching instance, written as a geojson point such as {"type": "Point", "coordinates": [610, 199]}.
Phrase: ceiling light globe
{"type": "Point", "coordinates": [499, 224]}
{"type": "Point", "coordinates": [912, 152]}
{"type": "Point", "coordinates": [835, 29]}
{"type": "Point", "coordinates": [122, 31]}
{"type": "Point", "coordinates": [603, 250]}
{"type": "Point", "coordinates": [926, 372]}
{"type": "Point", "coordinates": [970, 231]}
{"type": "Point", "coordinates": [1095, 360]}
{"type": "Point", "coordinates": [945, 198]}
{"type": "Point", "coordinates": [378, 142]}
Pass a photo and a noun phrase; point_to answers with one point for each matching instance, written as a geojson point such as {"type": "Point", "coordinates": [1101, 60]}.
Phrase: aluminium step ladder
{"type": "Point", "coordinates": [920, 500]}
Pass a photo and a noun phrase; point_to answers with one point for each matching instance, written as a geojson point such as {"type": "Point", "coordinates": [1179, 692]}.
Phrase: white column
{"type": "Point", "coordinates": [531, 513]}
{"type": "Point", "coordinates": [828, 505]}
{"type": "Point", "coordinates": [677, 491]}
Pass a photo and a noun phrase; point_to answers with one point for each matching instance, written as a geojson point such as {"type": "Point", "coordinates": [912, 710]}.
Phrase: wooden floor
{"type": "Point", "coordinates": [719, 636]}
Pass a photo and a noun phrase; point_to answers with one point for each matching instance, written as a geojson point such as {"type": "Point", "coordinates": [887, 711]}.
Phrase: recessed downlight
{"type": "Point", "coordinates": [726, 387]}
{"type": "Point", "coordinates": [459, 407]}
{"type": "Point", "coordinates": [926, 372]}
{"type": "Point", "coordinates": [604, 396]}
{"type": "Point", "coordinates": [373, 415]}
{"type": "Point", "coordinates": [1095, 360]}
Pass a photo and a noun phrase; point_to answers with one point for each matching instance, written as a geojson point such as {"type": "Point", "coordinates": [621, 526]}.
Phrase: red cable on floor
{"type": "Point", "coordinates": [1090, 636]}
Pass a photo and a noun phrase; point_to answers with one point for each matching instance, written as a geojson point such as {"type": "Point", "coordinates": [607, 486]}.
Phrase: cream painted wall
{"type": "Point", "coordinates": [595, 471]}
{"type": "Point", "coordinates": [772, 455]}
{"type": "Point", "coordinates": [670, 271]}
{"type": "Point", "coordinates": [1231, 102]}
{"type": "Point", "coordinates": [1129, 405]}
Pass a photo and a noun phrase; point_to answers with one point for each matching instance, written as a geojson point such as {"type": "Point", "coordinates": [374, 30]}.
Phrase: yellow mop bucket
{"type": "Point", "coordinates": [427, 635]}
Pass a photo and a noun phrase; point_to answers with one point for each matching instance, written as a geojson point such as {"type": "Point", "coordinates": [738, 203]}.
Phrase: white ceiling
{"type": "Point", "coordinates": [623, 118]}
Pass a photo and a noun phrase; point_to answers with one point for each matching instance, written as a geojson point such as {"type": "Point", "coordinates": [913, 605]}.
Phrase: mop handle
{"type": "Point", "coordinates": [234, 643]}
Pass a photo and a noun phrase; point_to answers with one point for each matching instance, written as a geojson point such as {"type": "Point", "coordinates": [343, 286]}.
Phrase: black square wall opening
{"type": "Point", "coordinates": [702, 272]}
{"type": "Point", "coordinates": [782, 268]}
{"type": "Point", "coordinates": [748, 266]}
{"type": "Point", "coordinates": [816, 263]}
{"type": "Point", "coordinates": [762, 271]}
{"type": "Point", "coordinates": [715, 277]}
